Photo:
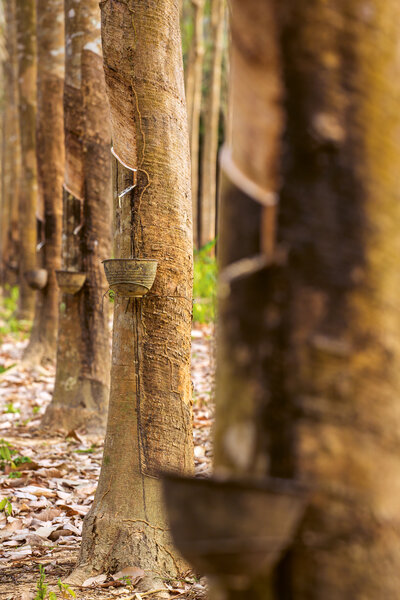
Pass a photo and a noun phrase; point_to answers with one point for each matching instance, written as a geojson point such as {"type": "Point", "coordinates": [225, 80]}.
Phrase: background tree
{"type": "Point", "coordinates": [306, 388]}
{"type": "Point", "coordinates": [340, 217]}
{"type": "Point", "coordinates": [149, 424]}
{"type": "Point", "coordinates": [50, 160]}
{"type": "Point", "coordinates": [11, 157]}
{"type": "Point", "coordinates": [193, 87]}
{"type": "Point", "coordinates": [250, 276]}
{"type": "Point", "coordinates": [246, 251]}
{"type": "Point", "coordinates": [83, 353]}
{"type": "Point", "coordinates": [27, 205]}
{"type": "Point", "coordinates": [211, 127]}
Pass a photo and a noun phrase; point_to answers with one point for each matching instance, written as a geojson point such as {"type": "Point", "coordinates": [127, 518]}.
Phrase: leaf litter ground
{"type": "Point", "coordinates": [48, 481]}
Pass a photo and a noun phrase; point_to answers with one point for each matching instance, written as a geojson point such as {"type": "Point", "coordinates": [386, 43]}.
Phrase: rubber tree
{"type": "Point", "coordinates": [208, 198]}
{"type": "Point", "coordinates": [248, 258]}
{"type": "Point", "coordinates": [149, 423]}
{"type": "Point", "coordinates": [28, 192]}
{"type": "Point", "coordinates": [193, 85]}
{"type": "Point", "coordinates": [83, 354]}
{"type": "Point", "coordinates": [50, 161]}
{"type": "Point", "coordinates": [11, 152]}
{"type": "Point", "coordinates": [340, 219]}
{"type": "Point", "coordinates": [330, 360]}
{"type": "Point", "coordinates": [248, 201]}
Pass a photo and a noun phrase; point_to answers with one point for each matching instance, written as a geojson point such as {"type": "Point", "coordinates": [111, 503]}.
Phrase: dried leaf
{"type": "Point", "coordinates": [75, 509]}
{"type": "Point", "coordinates": [11, 528]}
{"type": "Point", "coordinates": [54, 535]}
{"type": "Point", "coordinates": [38, 491]}
{"type": "Point", "coordinates": [73, 435]}
{"type": "Point", "coordinates": [46, 531]}
{"type": "Point", "coordinates": [48, 514]}
{"type": "Point", "coordinates": [21, 553]}
{"type": "Point", "coordinates": [92, 581]}
{"type": "Point", "coordinates": [28, 466]}
{"type": "Point", "coordinates": [135, 574]}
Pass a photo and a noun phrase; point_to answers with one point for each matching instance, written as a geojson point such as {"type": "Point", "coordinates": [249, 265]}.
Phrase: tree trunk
{"type": "Point", "coordinates": [246, 235]}
{"type": "Point", "coordinates": [211, 127]}
{"type": "Point", "coordinates": [193, 86]}
{"type": "Point", "coordinates": [83, 354]}
{"type": "Point", "coordinates": [250, 281]}
{"type": "Point", "coordinates": [11, 153]}
{"type": "Point", "coordinates": [50, 158]}
{"type": "Point", "coordinates": [341, 219]}
{"type": "Point", "coordinates": [150, 424]}
{"type": "Point", "coordinates": [26, 44]}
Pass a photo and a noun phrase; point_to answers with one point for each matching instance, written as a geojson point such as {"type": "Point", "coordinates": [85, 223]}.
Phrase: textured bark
{"type": "Point", "coordinates": [250, 282]}
{"type": "Point", "coordinates": [27, 204]}
{"type": "Point", "coordinates": [341, 219]}
{"type": "Point", "coordinates": [331, 372]}
{"type": "Point", "coordinates": [11, 153]}
{"type": "Point", "coordinates": [194, 73]}
{"type": "Point", "coordinates": [83, 355]}
{"type": "Point", "coordinates": [248, 198]}
{"type": "Point", "coordinates": [50, 158]}
{"type": "Point", "coordinates": [149, 424]}
{"type": "Point", "coordinates": [208, 201]}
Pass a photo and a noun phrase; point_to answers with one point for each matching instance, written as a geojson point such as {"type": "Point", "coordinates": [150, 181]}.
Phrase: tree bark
{"type": "Point", "coordinates": [329, 375]}
{"type": "Point", "coordinates": [83, 354]}
{"type": "Point", "coordinates": [211, 128]}
{"type": "Point", "coordinates": [340, 217]}
{"type": "Point", "coordinates": [50, 158]}
{"type": "Point", "coordinates": [149, 424]}
{"type": "Point", "coordinates": [193, 84]}
{"type": "Point", "coordinates": [246, 236]}
{"type": "Point", "coordinates": [251, 285]}
{"type": "Point", "coordinates": [27, 205]}
{"type": "Point", "coordinates": [11, 153]}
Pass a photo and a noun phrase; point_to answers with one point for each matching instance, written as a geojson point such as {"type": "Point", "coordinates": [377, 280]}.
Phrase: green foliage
{"type": "Point", "coordinates": [65, 590]}
{"type": "Point", "coordinates": [20, 460]}
{"type": "Point", "coordinates": [4, 369]}
{"type": "Point", "coordinates": [10, 301]}
{"type": "Point", "coordinates": [204, 284]}
{"type": "Point", "coordinates": [42, 586]}
{"type": "Point", "coordinates": [14, 475]}
{"type": "Point", "coordinates": [10, 457]}
{"type": "Point", "coordinates": [127, 581]}
{"type": "Point", "coordinates": [10, 408]}
{"type": "Point", "coordinates": [5, 453]}
{"type": "Point", "coordinates": [6, 506]}
{"type": "Point", "coordinates": [90, 450]}
{"type": "Point", "coordinates": [9, 324]}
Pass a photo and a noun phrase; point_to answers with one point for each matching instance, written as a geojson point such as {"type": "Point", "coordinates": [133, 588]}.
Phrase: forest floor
{"type": "Point", "coordinates": [45, 495]}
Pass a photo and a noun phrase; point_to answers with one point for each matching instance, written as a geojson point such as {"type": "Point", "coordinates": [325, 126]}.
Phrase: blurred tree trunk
{"type": "Point", "coordinates": [150, 422]}
{"type": "Point", "coordinates": [27, 69]}
{"type": "Point", "coordinates": [246, 250]}
{"type": "Point", "coordinates": [340, 217]}
{"type": "Point", "coordinates": [193, 85]}
{"type": "Point", "coordinates": [250, 280]}
{"type": "Point", "coordinates": [50, 160]}
{"type": "Point", "coordinates": [309, 356]}
{"type": "Point", "coordinates": [83, 354]}
{"type": "Point", "coordinates": [11, 153]}
{"type": "Point", "coordinates": [211, 127]}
